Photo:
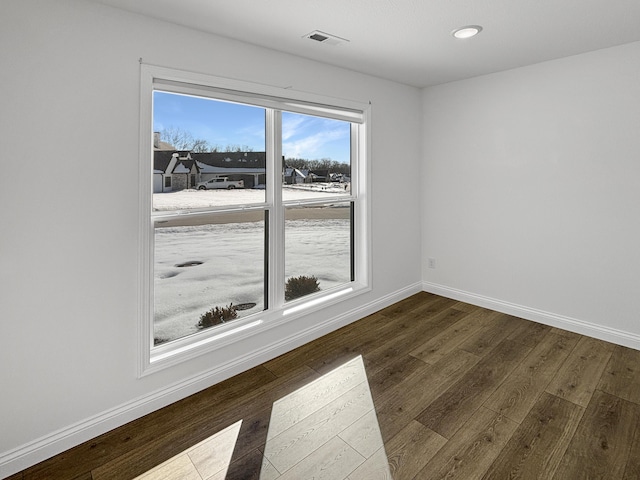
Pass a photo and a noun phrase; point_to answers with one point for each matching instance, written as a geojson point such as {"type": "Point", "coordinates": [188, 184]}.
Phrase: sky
{"type": "Point", "coordinates": [225, 123]}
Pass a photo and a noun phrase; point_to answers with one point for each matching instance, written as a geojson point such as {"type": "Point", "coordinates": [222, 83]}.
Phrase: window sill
{"type": "Point", "coordinates": [182, 350]}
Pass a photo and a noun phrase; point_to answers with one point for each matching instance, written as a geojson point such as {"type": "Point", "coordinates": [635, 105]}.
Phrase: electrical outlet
{"type": "Point", "coordinates": [431, 262]}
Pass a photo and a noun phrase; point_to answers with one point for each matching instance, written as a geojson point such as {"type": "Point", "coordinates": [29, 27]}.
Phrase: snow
{"type": "Point", "coordinates": [232, 258]}
{"type": "Point", "coordinates": [181, 169]}
{"type": "Point", "coordinates": [189, 199]}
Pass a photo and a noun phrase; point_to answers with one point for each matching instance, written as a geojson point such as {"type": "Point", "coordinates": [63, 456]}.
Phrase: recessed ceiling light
{"type": "Point", "coordinates": [467, 32]}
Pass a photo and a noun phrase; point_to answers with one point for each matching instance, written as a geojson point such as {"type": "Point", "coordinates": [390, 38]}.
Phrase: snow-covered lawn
{"type": "Point", "coordinates": [187, 199]}
{"type": "Point", "coordinates": [232, 259]}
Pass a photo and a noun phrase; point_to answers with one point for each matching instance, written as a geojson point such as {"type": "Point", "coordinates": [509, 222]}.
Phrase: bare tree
{"type": "Point", "coordinates": [202, 146]}
{"type": "Point", "coordinates": [299, 163]}
{"type": "Point", "coordinates": [322, 164]}
{"type": "Point", "coordinates": [179, 138]}
{"type": "Point", "coordinates": [183, 140]}
{"type": "Point", "coordinates": [238, 148]}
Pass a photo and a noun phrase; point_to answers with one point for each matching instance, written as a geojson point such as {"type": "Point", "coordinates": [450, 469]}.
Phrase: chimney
{"type": "Point", "coordinates": [156, 139]}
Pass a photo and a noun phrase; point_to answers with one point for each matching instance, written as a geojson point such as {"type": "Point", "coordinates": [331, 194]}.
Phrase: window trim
{"type": "Point", "coordinates": [156, 358]}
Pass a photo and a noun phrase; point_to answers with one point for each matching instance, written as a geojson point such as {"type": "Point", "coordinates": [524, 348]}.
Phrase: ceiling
{"type": "Point", "coordinates": [410, 41]}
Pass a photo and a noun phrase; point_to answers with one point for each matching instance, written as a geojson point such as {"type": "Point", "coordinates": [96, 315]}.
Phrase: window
{"type": "Point", "coordinates": [274, 224]}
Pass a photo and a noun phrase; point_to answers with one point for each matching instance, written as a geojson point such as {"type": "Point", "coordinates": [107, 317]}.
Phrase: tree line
{"type": "Point", "coordinates": [183, 140]}
{"type": "Point", "coordinates": [319, 164]}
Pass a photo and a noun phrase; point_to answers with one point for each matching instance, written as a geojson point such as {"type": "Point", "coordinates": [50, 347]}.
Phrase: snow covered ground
{"type": "Point", "coordinates": [186, 199]}
{"type": "Point", "coordinates": [232, 260]}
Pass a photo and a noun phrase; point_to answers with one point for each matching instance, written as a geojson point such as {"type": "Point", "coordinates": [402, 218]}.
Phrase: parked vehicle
{"type": "Point", "coordinates": [220, 182]}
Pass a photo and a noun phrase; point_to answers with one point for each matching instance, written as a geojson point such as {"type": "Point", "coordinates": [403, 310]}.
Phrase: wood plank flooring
{"type": "Point", "coordinates": [428, 388]}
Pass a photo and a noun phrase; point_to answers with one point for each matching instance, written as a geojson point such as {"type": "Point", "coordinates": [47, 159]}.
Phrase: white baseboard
{"type": "Point", "coordinates": [600, 332]}
{"type": "Point", "coordinates": [57, 442]}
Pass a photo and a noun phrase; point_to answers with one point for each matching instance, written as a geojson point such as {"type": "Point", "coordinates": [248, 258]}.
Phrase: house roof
{"type": "Point", "coordinates": [210, 162]}
{"type": "Point", "coordinates": [232, 159]}
{"type": "Point", "coordinates": [163, 146]}
{"type": "Point", "coordinates": [289, 171]}
{"type": "Point", "coordinates": [161, 160]}
{"type": "Point", "coordinates": [183, 166]}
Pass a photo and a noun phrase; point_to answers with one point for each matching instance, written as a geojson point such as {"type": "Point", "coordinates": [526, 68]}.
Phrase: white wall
{"type": "Point", "coordinates": [531, 192]}
{"type": "Point", "coordinates": [68, 251]}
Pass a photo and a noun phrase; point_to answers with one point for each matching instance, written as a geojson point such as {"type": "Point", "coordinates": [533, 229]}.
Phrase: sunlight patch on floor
{"type": "Point", "coordinates": [327, 429]}
{"type": "Point", "coordinates": [206, 460]}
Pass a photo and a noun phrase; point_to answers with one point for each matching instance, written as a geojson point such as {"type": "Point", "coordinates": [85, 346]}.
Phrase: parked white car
{"type": "Point", "coordinates": [220, 182]}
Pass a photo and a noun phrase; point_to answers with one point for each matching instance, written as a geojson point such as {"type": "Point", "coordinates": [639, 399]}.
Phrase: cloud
{"type": "Point", "coordinates": [311, 137]}
{"type": "Point", "coordinates": [291, 124]}
{"type": "Point", "coordinates": [313, 146]}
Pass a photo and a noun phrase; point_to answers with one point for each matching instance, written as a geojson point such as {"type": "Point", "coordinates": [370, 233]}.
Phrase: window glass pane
{"type": "Point", "coordinates": [318, 247]}
{"type": "Point", "coordinates": [212, 152]}
{"type": "Point", "coordinates": [317, 157]}
{"type": "Point", "coordinates": [211, 263]}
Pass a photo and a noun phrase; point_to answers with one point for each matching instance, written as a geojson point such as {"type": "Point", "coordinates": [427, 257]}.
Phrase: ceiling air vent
{"type": "Point", "coordinates": [325, 38]}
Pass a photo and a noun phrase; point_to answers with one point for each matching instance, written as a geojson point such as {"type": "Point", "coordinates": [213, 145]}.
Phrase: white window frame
{"type": "Point", "coordinates": [154, 358]}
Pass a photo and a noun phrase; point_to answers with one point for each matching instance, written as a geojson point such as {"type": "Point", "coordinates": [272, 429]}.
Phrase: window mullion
{"type": "Point", "coordinates": [274, 199]}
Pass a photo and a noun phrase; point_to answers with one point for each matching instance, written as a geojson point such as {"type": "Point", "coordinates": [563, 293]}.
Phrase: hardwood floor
{"type": "Point", "coordinates": [428, 388]}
